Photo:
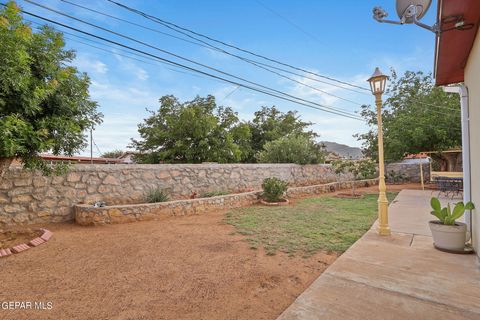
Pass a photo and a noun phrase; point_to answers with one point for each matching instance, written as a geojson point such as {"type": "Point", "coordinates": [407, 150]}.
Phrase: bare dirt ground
{"type": "Point", "coordinates": [179, 268]}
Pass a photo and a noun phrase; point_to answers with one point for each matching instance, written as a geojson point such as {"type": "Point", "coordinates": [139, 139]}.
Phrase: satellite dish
{"type": "Point", "coordinates": [408, 9]}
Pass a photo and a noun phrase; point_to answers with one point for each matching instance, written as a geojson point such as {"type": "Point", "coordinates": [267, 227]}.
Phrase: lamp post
{"type": "Point", "coordinates": [377, 85]}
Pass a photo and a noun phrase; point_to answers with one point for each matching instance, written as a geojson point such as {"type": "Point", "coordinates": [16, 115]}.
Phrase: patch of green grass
{"type": "Point", "coordinates": [210, 194]}
{"type": "Point", "coordinates": [308, 226]}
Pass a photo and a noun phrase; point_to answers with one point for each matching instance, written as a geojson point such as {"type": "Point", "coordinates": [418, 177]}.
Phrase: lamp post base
{"type": "Point", "coordinates": [384, 231]}
{"type": "Point", "coordinates": [383, 227]}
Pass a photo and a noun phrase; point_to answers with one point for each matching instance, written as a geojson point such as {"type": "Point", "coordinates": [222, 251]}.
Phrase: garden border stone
{"type": "Point", "coordinates": [88, 215]}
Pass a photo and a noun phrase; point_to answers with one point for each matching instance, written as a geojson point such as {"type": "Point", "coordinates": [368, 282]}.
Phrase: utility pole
{"type": "Point", "coordinates": [91, 146]}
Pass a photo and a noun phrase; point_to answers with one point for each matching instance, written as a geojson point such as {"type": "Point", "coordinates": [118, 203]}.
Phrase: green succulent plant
{"type": "Point", "coordinates": [446, 215]}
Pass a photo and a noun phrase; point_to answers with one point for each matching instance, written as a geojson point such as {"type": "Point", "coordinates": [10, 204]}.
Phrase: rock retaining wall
{"type": "Point", "coordinates": [29, 197]}
{"type": "Point", "coordinates": [89, 215]}
{"type": "Point", "coordinates": [409, 169]}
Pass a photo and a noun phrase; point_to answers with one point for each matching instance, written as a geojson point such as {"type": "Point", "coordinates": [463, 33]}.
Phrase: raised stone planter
{"type": "Point", "coordinates": [299, 192]}
{"type": "Point", "coordinates": [89, 215]}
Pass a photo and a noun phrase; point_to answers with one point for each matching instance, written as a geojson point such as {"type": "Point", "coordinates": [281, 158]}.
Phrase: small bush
{"type": "Point", "coordinates": [210, 194]}
{"type": "Point", "coordinates": [156, 195]}
{"type": "Point", "coordinates": [274, 189]}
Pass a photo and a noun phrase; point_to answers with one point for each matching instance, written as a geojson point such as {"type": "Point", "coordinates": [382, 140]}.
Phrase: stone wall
{"type": "Point", "coordinates": [87, 215]}
{"type": "Point", "coordinates": [410, 169]}
{"type": "Point", "coordinates": [28, 197]}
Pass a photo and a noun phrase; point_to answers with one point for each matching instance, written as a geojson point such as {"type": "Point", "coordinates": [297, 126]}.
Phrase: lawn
{"type": "Point", "coordinates": [310, 225]}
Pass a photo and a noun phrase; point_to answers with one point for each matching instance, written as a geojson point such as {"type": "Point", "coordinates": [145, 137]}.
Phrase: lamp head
{"type": "Point", "coordinates": [377, 82]}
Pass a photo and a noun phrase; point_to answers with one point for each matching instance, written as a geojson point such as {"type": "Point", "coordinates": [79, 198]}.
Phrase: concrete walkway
{"type": "Point", "coordinates": [396, 277]}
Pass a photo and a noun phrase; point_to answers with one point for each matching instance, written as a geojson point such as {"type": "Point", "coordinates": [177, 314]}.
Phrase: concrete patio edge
{"type": "Point", "coordinates": [397, 277]}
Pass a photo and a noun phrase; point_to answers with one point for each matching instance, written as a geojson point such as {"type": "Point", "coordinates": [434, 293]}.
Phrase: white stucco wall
{"type": "Point", "coordinates": [472, 81]}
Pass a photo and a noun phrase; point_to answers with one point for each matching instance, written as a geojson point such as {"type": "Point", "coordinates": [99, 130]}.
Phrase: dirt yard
{"type": "Point", "coordinates": [180, 268]}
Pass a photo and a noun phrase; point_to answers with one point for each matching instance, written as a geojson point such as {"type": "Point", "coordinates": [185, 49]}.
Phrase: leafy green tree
{"type": "Point", "coordinates": [191, 132]}
{"type": "Point", "coordinates": [417, 116]}
{"type": "Point", "coordinates": [270, 124]}
{"type": "Point", "coordinates": [360, 169]}
{"type": "Point", "coordinates": [112, 154]}
{"type": "Point", "coordinates": [44, 102]}
{"type": "Point", "coordinates": [293, 148]}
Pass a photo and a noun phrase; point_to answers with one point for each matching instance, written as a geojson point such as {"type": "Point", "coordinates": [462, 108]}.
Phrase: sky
{"type": "Point", "coordinates": [337, 39]}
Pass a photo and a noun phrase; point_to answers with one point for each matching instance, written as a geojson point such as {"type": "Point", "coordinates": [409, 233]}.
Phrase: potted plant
{"type": "Point", "coordinates": [446, 232]}
{"type": "Point", "coordinates": [274, 191]}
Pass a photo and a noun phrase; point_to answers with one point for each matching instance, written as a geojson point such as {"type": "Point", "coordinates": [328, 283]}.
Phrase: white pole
{"type": "Point", "coordinates": [467, 195]}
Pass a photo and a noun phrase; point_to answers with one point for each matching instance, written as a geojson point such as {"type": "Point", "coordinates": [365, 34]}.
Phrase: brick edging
{"type": "Point", "coordinates": [46, 235]}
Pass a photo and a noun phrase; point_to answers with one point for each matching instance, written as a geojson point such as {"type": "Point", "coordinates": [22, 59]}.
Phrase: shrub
{"type": "Point", "coordinates": [210, 194]}
{"type": "Point", "coordinates": [297, 149]}
{"type": "Point", "coordinates": [274, 189]}
{"type": "Point", "coordinates": [156, 195]}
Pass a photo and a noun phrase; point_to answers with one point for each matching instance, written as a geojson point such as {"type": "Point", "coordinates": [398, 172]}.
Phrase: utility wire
{"type": "Point", "coordinates": [115, 52]}
{"type": "Point", "coordinates": [338, 110]}
{"type": "Point", "coordinates": [207, 45]}
{"type": "Point", "coordinates": [153, 18]}
{"type": "Point", "coordinates": [322, 108]}
{"type": "Point", "coordinates": [230, 93]}
{"type": "Point", "coordinates": [288, 21]}
{"type": "Point", "coordinates": [210, 46]}
{"type": "Point", "coordinates": [135, 24]}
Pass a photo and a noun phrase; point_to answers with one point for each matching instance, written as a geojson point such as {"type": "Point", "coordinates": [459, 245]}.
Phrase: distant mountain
{"type": "Point", "coordinates": [343, 150]}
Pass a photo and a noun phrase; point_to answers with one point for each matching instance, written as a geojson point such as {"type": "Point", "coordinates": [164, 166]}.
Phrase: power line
{"type": "Point", "coordinates": [115, 52]}
{"type": "Point", "coordinates": [135, 24]}
{"type": "Point", "coordinates": [153, 18]}
{"type": "Point", "coordinates": [338, 110]}
{"type": "Point", "coordinates": [210, 46]}
{"type": "Point", "coordinates": [207, 45]}
{"type": "Point", "coordinates": [322, 108]}
{"type": "Point", "coordinates": [288, 21]}
{"type": "Point", "coordinates": [229, 94]}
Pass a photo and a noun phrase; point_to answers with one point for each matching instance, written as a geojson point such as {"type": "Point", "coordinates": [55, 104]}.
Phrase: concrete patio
{"type": "Point", "coordinates": [396, 277]}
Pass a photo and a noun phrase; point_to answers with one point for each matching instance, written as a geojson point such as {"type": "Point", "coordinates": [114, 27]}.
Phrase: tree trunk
{"type": "Point", "coordinates": [4, 165]}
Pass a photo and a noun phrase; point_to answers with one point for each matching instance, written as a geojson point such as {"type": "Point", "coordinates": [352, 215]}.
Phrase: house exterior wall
{"type": "Point", "coordinates": [472, 82]}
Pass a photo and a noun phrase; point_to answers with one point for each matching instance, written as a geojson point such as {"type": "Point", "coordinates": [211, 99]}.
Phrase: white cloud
{"type": "Point", "coordinates": [86, 63]}
{"type": "Point", "coordinates": [126, 96]}
{"type": "Point", "coordinates": [129, 66]}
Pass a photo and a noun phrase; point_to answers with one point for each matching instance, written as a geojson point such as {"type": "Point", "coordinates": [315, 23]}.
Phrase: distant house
{"type": "Point", "coordinates": [73, 160]}
{"type": "Point", "coordinates": [128, 157]}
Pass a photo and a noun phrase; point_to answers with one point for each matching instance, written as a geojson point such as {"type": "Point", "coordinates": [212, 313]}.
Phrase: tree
{"type": "Point", "coordinates": [44, 102]}
{"type": "Point", "coordinates": [113, 154]}
{"type": "Point", "coordinates": [293, 148]}
{"type": "Point", "coordinates": [270, 124]}
{"type": "Point", "coordinates": [417, 117]}
{"type": "Point", "coordinates": [360, 169]}
{"type": "Point", "coordinates": [191, 132]}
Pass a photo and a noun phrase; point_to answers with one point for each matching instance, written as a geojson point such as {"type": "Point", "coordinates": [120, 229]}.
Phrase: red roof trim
{"type": "Point", "coordinates": [51, 157]}
{"type": "Point", "coordinates": [453, 47]}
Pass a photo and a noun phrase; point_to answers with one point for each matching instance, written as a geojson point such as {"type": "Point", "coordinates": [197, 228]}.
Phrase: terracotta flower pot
{"type": "Point", "coordinates": [449, 237]}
